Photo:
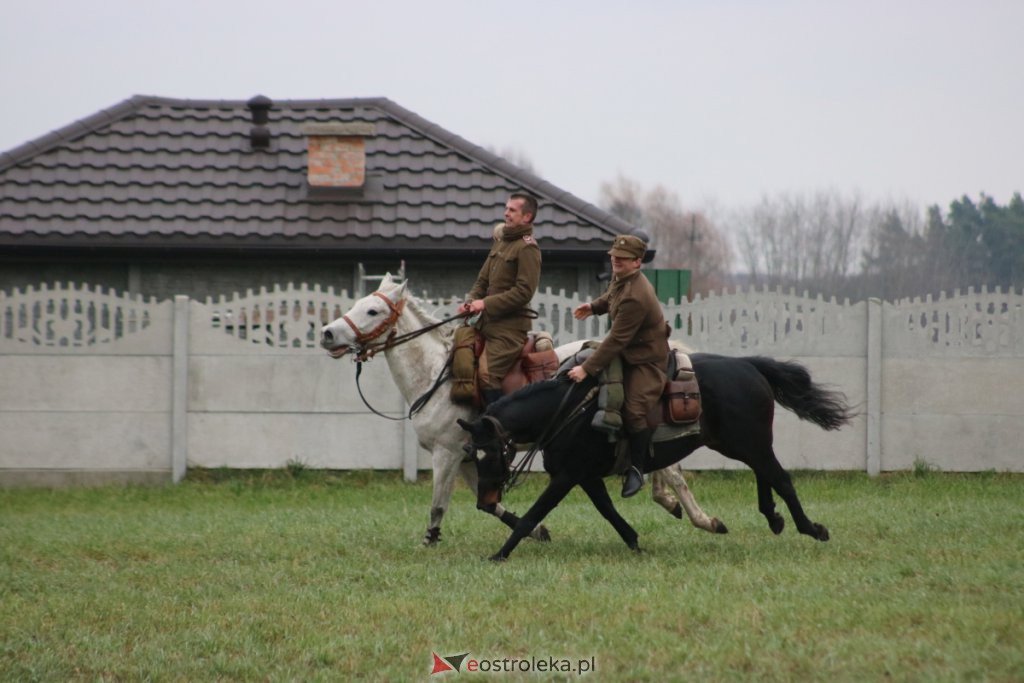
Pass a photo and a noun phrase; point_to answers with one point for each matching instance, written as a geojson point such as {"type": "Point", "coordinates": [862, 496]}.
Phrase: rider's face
{"type": "Point", "coordinates": [622, 265]}
{"type": "Point", "coordinates": [514, 215]}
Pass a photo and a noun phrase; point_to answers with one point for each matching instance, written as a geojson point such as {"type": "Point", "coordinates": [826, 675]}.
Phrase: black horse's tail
{"type": "Point", "coordinates": [795, 390]}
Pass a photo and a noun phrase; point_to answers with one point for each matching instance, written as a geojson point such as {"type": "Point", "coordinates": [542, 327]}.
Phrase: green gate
{"type": "Point", "coordinates": [670, 283]}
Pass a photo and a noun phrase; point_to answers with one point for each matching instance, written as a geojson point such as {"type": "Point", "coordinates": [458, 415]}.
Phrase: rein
{"type": "Point", "coordinates": [548, 436]}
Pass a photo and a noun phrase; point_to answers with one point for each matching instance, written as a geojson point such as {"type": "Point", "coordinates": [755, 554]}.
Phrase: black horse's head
{"type": "Point", "coordinates": [530, 415]}
{"type": "Point", "coordinates": [494, 451]}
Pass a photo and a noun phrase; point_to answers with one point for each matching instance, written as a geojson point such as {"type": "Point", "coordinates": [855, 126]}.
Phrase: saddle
{"type": "Point", "coordinates": [537, 362]}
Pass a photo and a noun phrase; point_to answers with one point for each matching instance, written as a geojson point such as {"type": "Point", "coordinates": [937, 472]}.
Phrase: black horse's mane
{"type": "Point", "coordinates": [528, 392]}
{"type": "Point", "coordinates": [531, 408]}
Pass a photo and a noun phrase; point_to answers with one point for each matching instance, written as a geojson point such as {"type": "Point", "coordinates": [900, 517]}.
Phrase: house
{"type": "Point", "coordinates": [158, 197]}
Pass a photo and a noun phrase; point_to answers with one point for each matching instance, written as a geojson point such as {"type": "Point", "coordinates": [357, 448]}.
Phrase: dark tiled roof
{"type": "Point", "coordinates": [153, 170]}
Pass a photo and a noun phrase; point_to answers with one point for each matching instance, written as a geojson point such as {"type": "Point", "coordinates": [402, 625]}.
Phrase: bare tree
{"type": "Point", "coordinates": [683, 239]}
{"type": "Point", "coordinates": [805, 240]}
{"type": "Point", "coordinates": [896, 261]}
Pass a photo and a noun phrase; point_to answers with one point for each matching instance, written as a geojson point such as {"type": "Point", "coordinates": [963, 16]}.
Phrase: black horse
{"type": "Point", "coordinates": [738, 396]}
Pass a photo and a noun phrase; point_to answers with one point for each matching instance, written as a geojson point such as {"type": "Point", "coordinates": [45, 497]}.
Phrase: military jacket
{"type": "Point", "coordinates": [508, 279]}
{"type": "Point", "coordinates": [638, 332]}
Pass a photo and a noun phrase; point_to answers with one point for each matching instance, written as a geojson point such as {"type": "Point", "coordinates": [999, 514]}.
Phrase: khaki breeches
{"type": "Point", "coordinates": [501, 351]}
{"type": "Point", "coordinates": [643, 385]}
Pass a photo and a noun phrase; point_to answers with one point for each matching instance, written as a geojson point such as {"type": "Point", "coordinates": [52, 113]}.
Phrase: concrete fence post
{"type": "Point", "coordinates": [179, 390]}
{"type": "Point", "coordinates": [874, 388]}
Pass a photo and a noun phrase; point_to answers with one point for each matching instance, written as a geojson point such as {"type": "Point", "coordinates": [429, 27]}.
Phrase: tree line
{"type": "Point", "coordinates": [831, 244]}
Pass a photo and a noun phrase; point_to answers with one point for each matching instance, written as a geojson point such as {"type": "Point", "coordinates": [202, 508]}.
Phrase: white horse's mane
{"type": "Point", "coordinates": [418, 307]}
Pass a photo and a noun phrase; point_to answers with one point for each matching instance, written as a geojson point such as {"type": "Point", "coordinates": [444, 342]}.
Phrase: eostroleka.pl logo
{"type": "Point", "coordinates": [449, 663]}
{"type": "Point", "coordinates": [512, 664]}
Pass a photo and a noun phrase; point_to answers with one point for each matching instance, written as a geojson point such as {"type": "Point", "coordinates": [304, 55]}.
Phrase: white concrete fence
{"type": "Point", "coordinates": [96, 386]}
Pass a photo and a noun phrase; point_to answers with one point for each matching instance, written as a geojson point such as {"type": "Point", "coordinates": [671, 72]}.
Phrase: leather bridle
{"type": "Point", "coordinates": [366, 348]}
{"type": "Point", "coordinates": [363, 339]}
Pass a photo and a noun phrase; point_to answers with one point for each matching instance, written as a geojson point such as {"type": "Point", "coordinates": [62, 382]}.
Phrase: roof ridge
{"type": "Point", "coordinates": [607, 222]}
{"type": "Point", "coordinates": [73, 130]}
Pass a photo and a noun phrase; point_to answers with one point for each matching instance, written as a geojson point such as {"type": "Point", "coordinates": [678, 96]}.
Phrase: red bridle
{"type": "Point", "coordinates": [363, 338]}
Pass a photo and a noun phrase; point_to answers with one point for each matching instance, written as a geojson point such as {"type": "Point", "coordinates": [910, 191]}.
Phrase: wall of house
{"type": "Point", "coordinates": [97, 386]}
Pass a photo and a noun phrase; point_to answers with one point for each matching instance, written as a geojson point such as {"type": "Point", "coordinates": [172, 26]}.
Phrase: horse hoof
{"type": "Point", "coordinates": [497, 557]}
{"type": "Point", "coordinates": [635, 547]}
{"type": "Point", "coordinates": [718, 526]}
{"type": "Point", "coordinates": [821, 533]}
{"type": "Point", "coordinates": [776, 523]}
{"type": "Point", "coordinates": [677, 511]}
{"type": "Point", "coordinates": [541, 534]}
{"type": "Point", "coordinates": [432, 537]}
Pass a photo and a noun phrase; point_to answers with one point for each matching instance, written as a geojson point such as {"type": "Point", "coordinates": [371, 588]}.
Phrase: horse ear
{"type": "Point", "coordinates": [386, 280]}
{"type": "Point", "coordinates": [465, 425]}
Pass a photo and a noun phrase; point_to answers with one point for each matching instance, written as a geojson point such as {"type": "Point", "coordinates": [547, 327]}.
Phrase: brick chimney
{"type": "Point", "coordinates": [336, 155]}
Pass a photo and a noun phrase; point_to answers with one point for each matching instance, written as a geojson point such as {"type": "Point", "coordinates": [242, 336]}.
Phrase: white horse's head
{"type": "Point", "coordinates": [368, 320]}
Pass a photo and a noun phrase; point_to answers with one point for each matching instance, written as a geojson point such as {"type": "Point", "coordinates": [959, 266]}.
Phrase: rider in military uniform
{"type": "Point", "coordinates": [640, 335]}
{"type": "Point", "coordinates": [502, 292]}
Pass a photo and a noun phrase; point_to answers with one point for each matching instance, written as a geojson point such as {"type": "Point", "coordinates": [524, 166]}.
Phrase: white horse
{"type": "Point", "coordinates": [381, 321]}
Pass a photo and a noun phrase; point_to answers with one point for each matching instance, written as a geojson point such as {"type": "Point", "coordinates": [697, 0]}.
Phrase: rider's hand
{"type": "Point", "coordinates": [582, 312]}
{"type": "Point", "coordinates": [476, 305]}
{"type": "Point", "coordinates": [578, 374]}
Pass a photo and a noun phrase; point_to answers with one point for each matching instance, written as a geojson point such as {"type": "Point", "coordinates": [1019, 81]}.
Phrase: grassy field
{"type": "Point", "coordinates": [309, 576]}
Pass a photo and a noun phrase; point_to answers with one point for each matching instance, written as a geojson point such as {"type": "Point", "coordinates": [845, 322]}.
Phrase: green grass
{"type": "Point", "coordinates": [301, 575]}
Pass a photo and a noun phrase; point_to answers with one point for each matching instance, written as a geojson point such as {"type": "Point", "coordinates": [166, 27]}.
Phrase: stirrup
{"type": "Point", "coordinates": [633, 482]}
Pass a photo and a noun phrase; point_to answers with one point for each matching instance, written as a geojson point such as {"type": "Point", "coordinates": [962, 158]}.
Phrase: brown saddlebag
{"type": "Point", "coordinates": [464, 366]}
{"type": "Point", "coordinates": [681, 400]}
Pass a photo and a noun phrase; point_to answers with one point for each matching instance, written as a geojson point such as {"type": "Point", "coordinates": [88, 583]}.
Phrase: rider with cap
{"type": "Point", "coordinates": [640, 335]}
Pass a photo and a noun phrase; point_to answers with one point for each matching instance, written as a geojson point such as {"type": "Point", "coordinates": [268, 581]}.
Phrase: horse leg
{"type": "Point", "coordinates": [663, 496]}
{"type": "Point", "coordinates": [556, 490]}
{"type": "Point", "coordinates": [766, 504]}
{"type": "Point", "coordinates": [598, 494]}
{"type": "Point", "coordinates": [445, 464]}
{"type": "Point", "coordinates": [670, 478]}
{"type": "Point", "coordinates": [504, 515]}
{"type": "Point", "coordinates": [783, 484]}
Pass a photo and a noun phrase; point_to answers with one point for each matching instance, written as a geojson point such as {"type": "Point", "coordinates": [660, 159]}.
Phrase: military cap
{"type": "Point", "coordinates": [628, 246]}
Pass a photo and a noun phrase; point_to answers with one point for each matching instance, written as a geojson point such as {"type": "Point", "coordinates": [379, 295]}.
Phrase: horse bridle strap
{"type": "Point", "coordinates": [364, 353]}
{"type": "Point", "coordinates": [363, 338]}
{"type": "Point", "coordinates": [367, 350]}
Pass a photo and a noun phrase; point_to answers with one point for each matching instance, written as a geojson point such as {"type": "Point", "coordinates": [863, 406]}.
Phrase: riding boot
{"type": "Point", "coordinates": [489, 396]}
{"type": "Point", "coordinates": [639, 445]}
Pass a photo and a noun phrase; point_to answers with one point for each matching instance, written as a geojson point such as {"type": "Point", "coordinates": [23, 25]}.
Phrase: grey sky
{"type": "Point", "coordinates": [719, 101]}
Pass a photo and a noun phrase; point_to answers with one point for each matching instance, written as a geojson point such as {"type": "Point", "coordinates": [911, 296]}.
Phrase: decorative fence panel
{"type": "Point", "coordinates": [97, 386]}
{"type": "Point", "coordinates": [84, 385]}
{"type": "Point", "coordinates": [263, 393]}
{"type": "Point", "coordinates": [952, 372]}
